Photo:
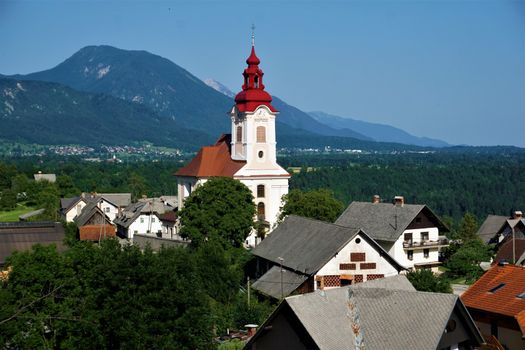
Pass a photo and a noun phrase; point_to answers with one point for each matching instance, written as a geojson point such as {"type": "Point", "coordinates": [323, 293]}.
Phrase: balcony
{"type": "Point", "coordinates": [440, 243]}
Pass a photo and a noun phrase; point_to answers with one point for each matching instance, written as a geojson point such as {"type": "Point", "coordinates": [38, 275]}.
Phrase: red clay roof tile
{"type": "Point", "coordinates": [213, 161]}
{"type": "Point", "coordinates": [505, 300]}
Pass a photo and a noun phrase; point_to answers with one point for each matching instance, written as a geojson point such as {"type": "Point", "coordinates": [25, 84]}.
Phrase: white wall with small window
{"type": "Point", "coordinates": [109, 209]}
{"type": "Point", "coordinates": [149, 224]}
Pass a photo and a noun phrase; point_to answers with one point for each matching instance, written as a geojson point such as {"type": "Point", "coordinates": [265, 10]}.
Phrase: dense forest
{"type": "Point", "coordinates": [451, 183]}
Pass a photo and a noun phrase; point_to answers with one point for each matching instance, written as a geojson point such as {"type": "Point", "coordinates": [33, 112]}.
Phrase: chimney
{"type": "Point", "coordinates": [399, 201]}
{"type": "Point", "coordinates": [252, 329]}
{"type": "Point", "coordinates": [517, 214]}
{"type": "Point", "coordinates": [376, 199]}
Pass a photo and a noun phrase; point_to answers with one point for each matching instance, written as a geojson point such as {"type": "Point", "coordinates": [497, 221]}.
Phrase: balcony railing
{"type": "Point", "coordinates": [425, 244]}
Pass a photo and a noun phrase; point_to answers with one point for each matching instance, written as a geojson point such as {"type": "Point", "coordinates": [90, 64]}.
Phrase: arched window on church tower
{"type": "Point", "coordinates": [260, 191]}
{"type": "Point", "coordinates": [238, 137]}
{"type": "Point", "coordinates": [256, 81]}
{"type": "Point", "coordinates": [261, 134]}
{"type": "Point", "coordinates": [261, 211]}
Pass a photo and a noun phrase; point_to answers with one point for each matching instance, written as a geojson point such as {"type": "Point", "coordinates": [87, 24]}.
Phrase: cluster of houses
{"type": "Point", "coordinates": [101, 215]}
{"type": "Point", "coordinates": [342, 285]}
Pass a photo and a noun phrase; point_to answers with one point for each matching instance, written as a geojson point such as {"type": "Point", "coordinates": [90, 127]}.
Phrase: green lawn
{"type": "Point", "coordinates": [14, 214]}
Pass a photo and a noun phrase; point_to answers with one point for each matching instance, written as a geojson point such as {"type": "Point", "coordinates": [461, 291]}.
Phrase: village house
{"type": "Point", "coordinates": [303, 255]}
{"type": "Point", "coordinates": [410, 233]}
{"type": "Point", "coordinates": [497, 304]}
{"type": "Point", "coordinates": [387, 313]}
{"type": "Point", "coordinates": [250, 156]}
{"type": "Point", "coordinates": [111, 204]}
{"type": "Point", "coordinates": [497, 229]}
{"type": "Point", "coordinates": [93, 223]}
{"type": "Point", "coordinates": [45, 177]}
{"type": "Point", "coordinates": [145, 218]}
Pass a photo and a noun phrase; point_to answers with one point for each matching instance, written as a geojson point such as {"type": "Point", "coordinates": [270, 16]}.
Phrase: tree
{"type": "Point", "coordinates": [317, 204]}
{"type": "Point", "coordinates": [66, 186]}
{"type": "Point", "coordinates": [465, 261]}
{"type": "Point", "coordinates": [426, 281]}
{"type": "Point", "coordinates": [468, 228]}
{"type": "Point", "coordinates": [221, 209]}
{"type": "Point", "coordinates": [7, 199]}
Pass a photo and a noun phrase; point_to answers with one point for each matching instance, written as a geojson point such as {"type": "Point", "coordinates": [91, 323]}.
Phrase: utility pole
{"type": "Point", "coordinates": [281, 263]}
{"type": "Point", "coordinates": [248, 292]}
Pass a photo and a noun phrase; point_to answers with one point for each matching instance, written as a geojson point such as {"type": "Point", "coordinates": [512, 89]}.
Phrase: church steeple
{"type": "Point", "coordinates": [253, 94]}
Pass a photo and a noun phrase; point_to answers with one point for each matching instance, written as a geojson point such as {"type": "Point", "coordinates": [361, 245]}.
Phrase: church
{"type": "Point", "coordinates": [248, 154]}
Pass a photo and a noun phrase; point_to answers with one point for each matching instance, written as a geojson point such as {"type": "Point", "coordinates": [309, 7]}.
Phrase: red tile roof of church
{"type": "Point", "coordinates": [213, 161]}
{"type": "Point", "coordinates": [504, 300]}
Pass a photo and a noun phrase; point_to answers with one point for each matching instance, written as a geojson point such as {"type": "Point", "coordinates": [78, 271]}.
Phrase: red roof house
{"type": "Point", "coordinates": [497, 304]}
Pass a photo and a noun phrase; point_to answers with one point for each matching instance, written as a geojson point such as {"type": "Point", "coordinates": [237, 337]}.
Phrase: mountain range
{"type": "Point", "coordinates": [130, 96]}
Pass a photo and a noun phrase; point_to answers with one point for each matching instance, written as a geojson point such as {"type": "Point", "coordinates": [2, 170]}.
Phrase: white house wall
{"type": "Point", "coordinates": [400, 254]}
{"type": "Point", "coordinates": [109, 209]}
{"type": "Point", "coordinates": [145, 224]}
{"type": "Point", "coordinates": [74, 211]}
{"type": "Point", "coordinates": [383, 266]}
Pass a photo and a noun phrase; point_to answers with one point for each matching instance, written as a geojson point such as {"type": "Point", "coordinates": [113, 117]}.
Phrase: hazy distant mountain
{"type": "Point", "coordinates": [143, 78]}
{"type": "Point", "coordinates": [173, 98]}
{"type": "Point", "coordinates": [294, 117]}
{"type": "Point", "coordinates": [214, 84]}
{"type": "Point", "coordinates": [50, 113]}
{"type": "Point", "coordinates": [378, 132]}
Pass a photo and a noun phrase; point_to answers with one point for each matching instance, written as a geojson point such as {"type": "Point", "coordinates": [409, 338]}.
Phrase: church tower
{"type": "Point", "coordinates": [248, 154]}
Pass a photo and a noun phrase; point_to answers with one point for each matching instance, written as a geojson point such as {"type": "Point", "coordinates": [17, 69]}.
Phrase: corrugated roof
{"type": "Point", "coordinates": [213, 161]}
{"type": "Point", "coordinates": [270, 282]}
{"type": "Point", "coordinates": [96, 232]}
{"type": "Point", "coordinates": [383, 221]}
{"type": "Point", "coordinates": [20, 236]}
{"type": "Point", "coordinates": [505, 299]}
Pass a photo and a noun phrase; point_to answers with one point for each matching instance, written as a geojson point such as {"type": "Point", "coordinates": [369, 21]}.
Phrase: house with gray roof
{"type": "Point", "coordinates": [111, 204]}
{"type": "Point", "coordinates": [499, 229]}
{"type": "Point", "coordinates": [382, 314]}
{"type": "Point", "coordinates": [303, 255]}
{"type": "Point", "coordinates": [145, 218]}
{"type": "Point", "coordinates": [410, 233]}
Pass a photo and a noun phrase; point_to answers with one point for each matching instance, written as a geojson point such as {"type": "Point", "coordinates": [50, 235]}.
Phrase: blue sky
{"type": "Point", "coordinates": [453, 70]}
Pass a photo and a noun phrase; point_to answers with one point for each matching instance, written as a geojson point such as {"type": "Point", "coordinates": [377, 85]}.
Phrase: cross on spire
{"type": "Point", "coordinates": [253, 34]}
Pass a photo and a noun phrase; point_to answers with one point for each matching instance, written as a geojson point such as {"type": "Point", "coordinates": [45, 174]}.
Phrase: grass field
{"type": "Point", "coordinates": [14, 214]}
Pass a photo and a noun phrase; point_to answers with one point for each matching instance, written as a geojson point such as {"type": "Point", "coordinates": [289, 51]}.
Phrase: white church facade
{"type": "Point", "coordinates": [248, 154]}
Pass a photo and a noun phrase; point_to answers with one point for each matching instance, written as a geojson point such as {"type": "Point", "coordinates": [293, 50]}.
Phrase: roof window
{"type": "Point", "coordinates": [521, 296]}
{"type": "Point", "coordinates": [498, 287]}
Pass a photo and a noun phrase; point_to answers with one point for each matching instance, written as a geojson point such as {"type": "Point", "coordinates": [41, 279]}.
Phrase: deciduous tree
{"type": "Point", "coordinates": [221, 209]}
{"type": "Point", "coordinates": [316, 204]}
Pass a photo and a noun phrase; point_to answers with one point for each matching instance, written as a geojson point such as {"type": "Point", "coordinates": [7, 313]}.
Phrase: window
{"type": "Point", "coordinates": [424, 236]}
{"type": "Point", "coordinates": [261, 134]}
{"type": "Point", "coordinates": [521, 296]}
{"type": "Point", "coordinates": [256, 81]}
{"type": "Point", "coordinates": [239, 134]}
{"type": "Point", "coordinates": [408, 237]}
{"type": "Point", "coordinates": [261, 154]}
{"type": "Point", "coordinates": [260, 191]}
{"type": "Point", "coordinates": [107, 209]}
{"type": "Point", "coordinates": [261, 211]}
{"type": "Point", "coordinates": [426, 252]}
{"type": "Point", "coordinates": [410, 255]}
{"type": "Point", "coordinates": [498, 287]}
{"type": "Point", "coordinates": [135, 232]}
{"type": "Point", "coordinates": [141, 220]}
{"type": "Point", "coordinates": [152, 219]}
